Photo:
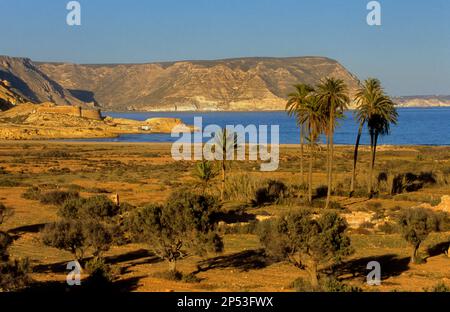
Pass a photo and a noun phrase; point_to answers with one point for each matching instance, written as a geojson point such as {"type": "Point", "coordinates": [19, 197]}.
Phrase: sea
{"type": "Point", "coordinates": [416, 126]}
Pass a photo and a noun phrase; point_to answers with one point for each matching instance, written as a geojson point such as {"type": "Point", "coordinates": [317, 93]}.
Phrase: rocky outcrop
{"type": "Point", "coordinates": [28, 82]}
{"type": "Point", "coordinates": [8, 98]}
{"type": "Point", "coordinates": [46, 121]}
{"type": "Point", "coordinates": [76, 111]}
{"type": "Point", "coordinates": [423, 101]}
{"type": "Point", "coordinates": [231, 84]}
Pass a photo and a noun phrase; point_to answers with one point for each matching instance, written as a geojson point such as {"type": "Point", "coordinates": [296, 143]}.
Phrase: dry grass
{"type": "Point", "coordinates": [143, 173]}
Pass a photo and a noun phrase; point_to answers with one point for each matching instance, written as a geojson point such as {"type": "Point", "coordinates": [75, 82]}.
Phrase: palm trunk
{"type": "Point", "coordinates": [312, 270]}
{"type": "Point", "coordinates": [372, 163]}
{"type": "Point", "coordinates": [222, 192]}
{"type": "Point", "coordinates": [355, 160]}
{"type": "Point", "coordinates": [414, 254]}
{"type": "Point", "coordinates": [172, 265]}
{"type": "Point", "coordinates": [330, 161]}
{"type": "Point", "coordinates": [311, 159]}
{"type": "Point", "coordinates": [301, 153]}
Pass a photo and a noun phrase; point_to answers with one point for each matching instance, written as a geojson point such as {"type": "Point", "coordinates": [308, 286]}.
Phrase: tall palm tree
{"type": "Point", "coordinates": [383, 115]}
{"type": "Point", "coordinates": [227, 143]}
{"type": "Point", "coordinates": [366, 97]}
{"type": "Point", "coordinates": [295, 106]}
{"type": "Point", "coordinates": [333, 98]}
{"type": "Point", "coordinates": [315, 125]}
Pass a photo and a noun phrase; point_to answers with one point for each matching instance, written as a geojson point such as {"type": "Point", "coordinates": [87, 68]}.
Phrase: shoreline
{"type": "Point", "coordinates": [282, 145]}
{"type": "Point", "coordinates": [245, 111]}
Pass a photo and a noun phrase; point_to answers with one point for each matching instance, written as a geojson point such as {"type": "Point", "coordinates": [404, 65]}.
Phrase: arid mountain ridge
{"type": "Point", "coordinates": [231, 84]}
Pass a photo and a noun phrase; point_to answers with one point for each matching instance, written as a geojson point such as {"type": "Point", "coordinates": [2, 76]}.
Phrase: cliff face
{"type": "Point", "coordinates": [232, 84]}
{"type": "Point", "coordinates": [27, 82]}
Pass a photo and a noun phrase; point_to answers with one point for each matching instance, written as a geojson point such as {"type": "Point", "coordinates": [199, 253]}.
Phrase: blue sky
{"type": "Point", "coordinates": [409, 52]}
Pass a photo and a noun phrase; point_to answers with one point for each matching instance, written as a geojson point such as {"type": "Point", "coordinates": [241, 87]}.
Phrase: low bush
{"type": "Point", "coordinates": [271, 193]}
{"type": "Point", "coordinates": [388, 228]}
{"type": "Point", "coordinates": [171, 275]}
{"type": "Point", "coordinates": [54, 154]}
{"type": "Point", "coordinates": [241, 188]}
{"type": "Point", "coordinates": [321, 191]}
{"type": "Point", "coordinates": [57, 197]}
{"type": "Point", "coordinates": [97, 267]}
{"type": "Point", "coordinates": [32, 193]}
{"type": "Point", "coordinates": [327, 284]}
{"type": "Point", "coordinates": [439, 287]}
{"type": "Point", "coordinates": [8, 182]}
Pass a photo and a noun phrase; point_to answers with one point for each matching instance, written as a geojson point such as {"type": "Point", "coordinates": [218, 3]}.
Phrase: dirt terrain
{"type": "Point", "coordinates": [145, 173]}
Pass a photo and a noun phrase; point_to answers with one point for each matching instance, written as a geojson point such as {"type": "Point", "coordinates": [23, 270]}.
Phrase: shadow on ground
{"type": "Point", "coordinates": [33, 228]}
{"type": "Point", "coordinates": [87, 286]}
{"type": "Point", "coordinates": [391, 265]}
{"type": "Point", "coordinates": [244, 261]}
{"type": "Point", "coordinates": [143, 255]}
{"type": "Point", "coordinates": [438, 249]}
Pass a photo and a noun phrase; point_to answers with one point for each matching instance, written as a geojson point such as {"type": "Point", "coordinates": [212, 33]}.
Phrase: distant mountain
{"type": "Point", "coordinates": [230, 84]}
{"type": "Point", "coordinates": [23, 81]}
{"type": "Point", "coordinates": [423, 101]}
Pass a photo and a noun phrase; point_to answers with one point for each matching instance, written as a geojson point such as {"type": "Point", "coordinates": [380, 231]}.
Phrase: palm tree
{"type": "Point", "coordinates": [383, 115]}
{"type": "Point", "coordinates": [315, 125]}
{"type": "Point", "coordinates": [333, 99]}
{"type": "Point", "coordinates": [204, 173]}
{"type": "Point", "coordinates": [295, 106]}
{"type": "Point", "coordinates": [366, 97]}
{"type": "Point", "coordinates": [227, 142]}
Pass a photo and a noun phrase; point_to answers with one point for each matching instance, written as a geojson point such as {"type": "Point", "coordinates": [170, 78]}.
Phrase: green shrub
{"type": "Point", "coordinates": [388, 228]}
{"type": "Point", "coordinates": [97, 267]}
{"type": "Point", "coordinates": [272, 192]}
{"type": "Point", "coordinates": [71, 207]}
{"type": "Point", "coordinates": [241, 187]}
{"type": "Point", "coordinates": [99, 207]}
{"type": "Point", "coordinates": [306, 241]}
{"type": "Point", "coordinates": [8, 182]}
{"type": "Point", "coordinates": [65, 235]}
{"type": "Point", "coordinates": [32, 193]}
{"type": "Point", "coordinates": [57, 197]}
{"type": "Point", "coordinates": [54, 154]}
{"type": "Point", "coordinates": [101, 275]}
{"type": "Point", "coordinates": [187, 223]}
{"type": "Point", "coordinates": [14, 275]}
{"type": "Point", "coordinates": [321, 191]}
{"type": "Point", "coordinates": [439, 287]}
{"type": "Point", "coordinates": [327, 284]}
{"type": "Point", "coordinates": [191, 278]}
{"type": "Point", "coordinates": [416, 224]}
{"type": "Point", "coordinates": [171, 275]}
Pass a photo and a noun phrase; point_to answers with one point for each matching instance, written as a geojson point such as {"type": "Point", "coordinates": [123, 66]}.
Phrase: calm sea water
{"type": "Point", "coordinates": [416, 126]}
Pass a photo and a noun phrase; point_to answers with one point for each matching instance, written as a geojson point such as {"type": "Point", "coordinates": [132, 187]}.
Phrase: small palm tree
{"type": "Point", "coordinates": [205, 173]}
{"type": "Point", "coordinates": [366, 97]}
{"type": "Point", "coordinates": [295, 106]}
{"type": "Point", "coordinates": [333, 98]}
